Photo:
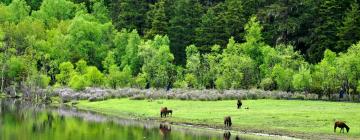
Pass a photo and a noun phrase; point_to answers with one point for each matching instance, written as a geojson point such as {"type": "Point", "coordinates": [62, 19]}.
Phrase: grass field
{"type": "Point", "coordinates": [303, 119]}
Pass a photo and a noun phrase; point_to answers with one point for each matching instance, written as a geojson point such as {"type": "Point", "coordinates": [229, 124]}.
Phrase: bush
{"type": "Point", "coordinates": [78, 82]}
{"type": "Point", "coordinates": [267, 84]}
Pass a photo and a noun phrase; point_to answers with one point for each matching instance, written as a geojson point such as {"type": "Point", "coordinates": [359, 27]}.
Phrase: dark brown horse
{"type": "Point", "coordinates": [341, 125]}
{"type": "Point", "coordinates": [169, 111]}
{"type": "Point", "coordinates": [227, 121]}
{"type": "Point", "coordinates": [239, 103]}
{"type": "Point", "coordinates": [163, 112]}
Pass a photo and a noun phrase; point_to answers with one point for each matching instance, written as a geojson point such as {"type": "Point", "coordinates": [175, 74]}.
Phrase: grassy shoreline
{"type": "Point", "coordinates": [301, 119]}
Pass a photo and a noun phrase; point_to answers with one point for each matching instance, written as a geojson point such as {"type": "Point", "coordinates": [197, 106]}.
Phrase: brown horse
{"type": "Point", "coordinates": [163, 112]}
{"type": "Point", "coordinates": [341, 125]}
{"type": "Point", "coordinates": [239, 103]}
{"type": "Point", "coordinates": [227, 121]}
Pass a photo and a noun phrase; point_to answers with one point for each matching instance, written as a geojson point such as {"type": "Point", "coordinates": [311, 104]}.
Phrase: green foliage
{"type": "Point", "coordinates": [51, 11]}
{"type": "Point", "coordinates": [16, 68]}
{"type": "Point", "coordinates": [19, 10]}
{"type": "Point", "coordinates": [349, 32]}
{"type": "Point", "coordinates": [158, 19]}
{"type": "Point", "coordinates": [94, 77]}
{"type": "Point", "coordinates": [130, 56]}
{"type": "Point", "coordinates": [78, 82]}
{"type": "Point", "coordinates": [324, 76]}
{"type": "Point", "coordinates": [81, 66]}
{"type": "Point", "coordinates": [157, 61]}
{"type": "Point", "coordinates": [66, 71]}
{"type": "Point", "coordinates": [88, 40]}
{"type": "Point", "coordinates": [140, 81]}
{"type": "Point", "coordinates": [302, 80]}
{"type": "Point", "coordinates": [182, 26]}
{"type": "Point", "coordinates": [267, 84]}
{"type": "Point", "coordinates": [283, 77]}
{"type": "Point", "coordinates": [130, 15]}
{"type": "Point", "coordinates": [109, 61]}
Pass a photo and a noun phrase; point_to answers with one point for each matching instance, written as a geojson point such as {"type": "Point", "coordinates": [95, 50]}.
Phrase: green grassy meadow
{"type": "Point", "coordinates": [303, 119]}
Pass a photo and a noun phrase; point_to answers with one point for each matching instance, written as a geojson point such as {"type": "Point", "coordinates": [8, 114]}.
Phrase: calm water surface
{"type": "Point", "coordinates": [25, 121]}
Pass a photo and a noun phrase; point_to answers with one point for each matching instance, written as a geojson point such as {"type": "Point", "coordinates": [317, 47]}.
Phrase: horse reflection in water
{"type": "Point", "coordinates": [165, 130]}
{"type": "Point", "coordinates": [227, 136]}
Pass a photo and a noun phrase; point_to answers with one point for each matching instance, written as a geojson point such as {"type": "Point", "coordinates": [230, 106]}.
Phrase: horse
{"type": "Point", "coordinates": [227, 121]}
{"type": "Point", "coordinates": [169, 112]}
{"type": "Point", "coordinates": [341, 125]}
{"type": "Point", "coordinates": [237, 138]}
{"type": "Point", "coordinates": [163, 112]}
{"type": "Point", "coordinates": [227, 135]}
{"type": "Point", "coordinates": [239, 104]}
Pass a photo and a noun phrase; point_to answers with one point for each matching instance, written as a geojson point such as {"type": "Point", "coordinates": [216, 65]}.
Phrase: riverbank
{"type": "Point", "coordinates": [99, 94]}
{"type": "Point", "coordinates": [294, 118]}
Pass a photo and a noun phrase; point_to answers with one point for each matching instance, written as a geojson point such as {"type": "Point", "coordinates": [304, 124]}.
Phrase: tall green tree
{"type": "Point", "coordinates": [183, 23]}
{"type": "Point", "coordinates": [158, 19]}
{"type": "Point", "coordinates": [157, 62]}
{"type": "Point", "coordinates": [131, 15]}
{"type": "Point", "coordinates": [349, 32]}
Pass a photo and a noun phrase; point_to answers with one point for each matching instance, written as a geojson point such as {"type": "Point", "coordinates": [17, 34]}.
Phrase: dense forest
{"type": "Point", "coordinates": [289, 45]}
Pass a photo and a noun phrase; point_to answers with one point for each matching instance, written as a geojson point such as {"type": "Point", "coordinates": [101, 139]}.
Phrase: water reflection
{"type": "Point", "coordinates": [165, 130]}
{"type": "Point", "coordinates": [23, 120]}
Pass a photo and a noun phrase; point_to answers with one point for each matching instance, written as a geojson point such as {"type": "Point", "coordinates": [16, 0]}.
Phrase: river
{"type": "Point", "coordinates": [26, 121]}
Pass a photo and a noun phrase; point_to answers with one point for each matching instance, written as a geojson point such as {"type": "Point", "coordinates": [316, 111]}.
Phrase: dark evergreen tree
{"type": "Point", "coordinates": [325, 32]}
{"type": "Point", "coordinates": [183, 23]}
{"type": "Point", "coordinates": [349, 32]}
{"type": "Point", "coordinates": [131, 15]}
{"type": "Point", "coordinates": [158, 20]}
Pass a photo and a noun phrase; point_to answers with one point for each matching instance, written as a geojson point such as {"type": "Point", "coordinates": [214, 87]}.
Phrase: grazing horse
{"type": "Point", "coordinates": [227, 135]}
{"type": "Point", "coordinates": [169, 112]}
{"type": "Point", "coordinates": [227, 121]}
{"type": "Point", "coordinates": [239, 104]}
{"type": "Point", "coordinates": [341, 125]}
{"type": "Point", "coordinates": [163, 112]}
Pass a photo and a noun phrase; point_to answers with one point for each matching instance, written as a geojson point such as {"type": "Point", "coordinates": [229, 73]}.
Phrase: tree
{"type": "Point", "coordinates": [211, 29]}
{"type": "Point", "coordinates": [325, 33]}
{"type": "Point", "coordinates": [348, 69]}
{"type": "Point", "coordinates": [302, 80]}
{"type": "Point", "coordinates": [19, 10]}
{"type": "Point", "coordinates": [94, 77]}
{"type": "Point", "coordinates": [100, 11]}
{"type": "Point", "coordinates": [66, 72]}
{"type": "Point", "coordinates": [130, 56]}
{"type": "Point", "coordinates": [193, 67]}
{"type": "Point", "coordinates": [183, 23]}
{"type": "Point", "coordinates": [349, 32]}
{"type": "Point", "coordinates": [52, 11]}
{"type": "Point", "coordinates": [324, 76]}
{"type": "Point", "coordinates": [131, 15]}
{"type": "Point", "coordinates": [109, 61]}
{"type": "Point", "coordinates": [88, 40]}
{"type": "Point", "coordinates": [282, 77]}
{"type": "Point", "coordinates": [158, 19]}
{"type": "Point", "coordinates": [157, 61]}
